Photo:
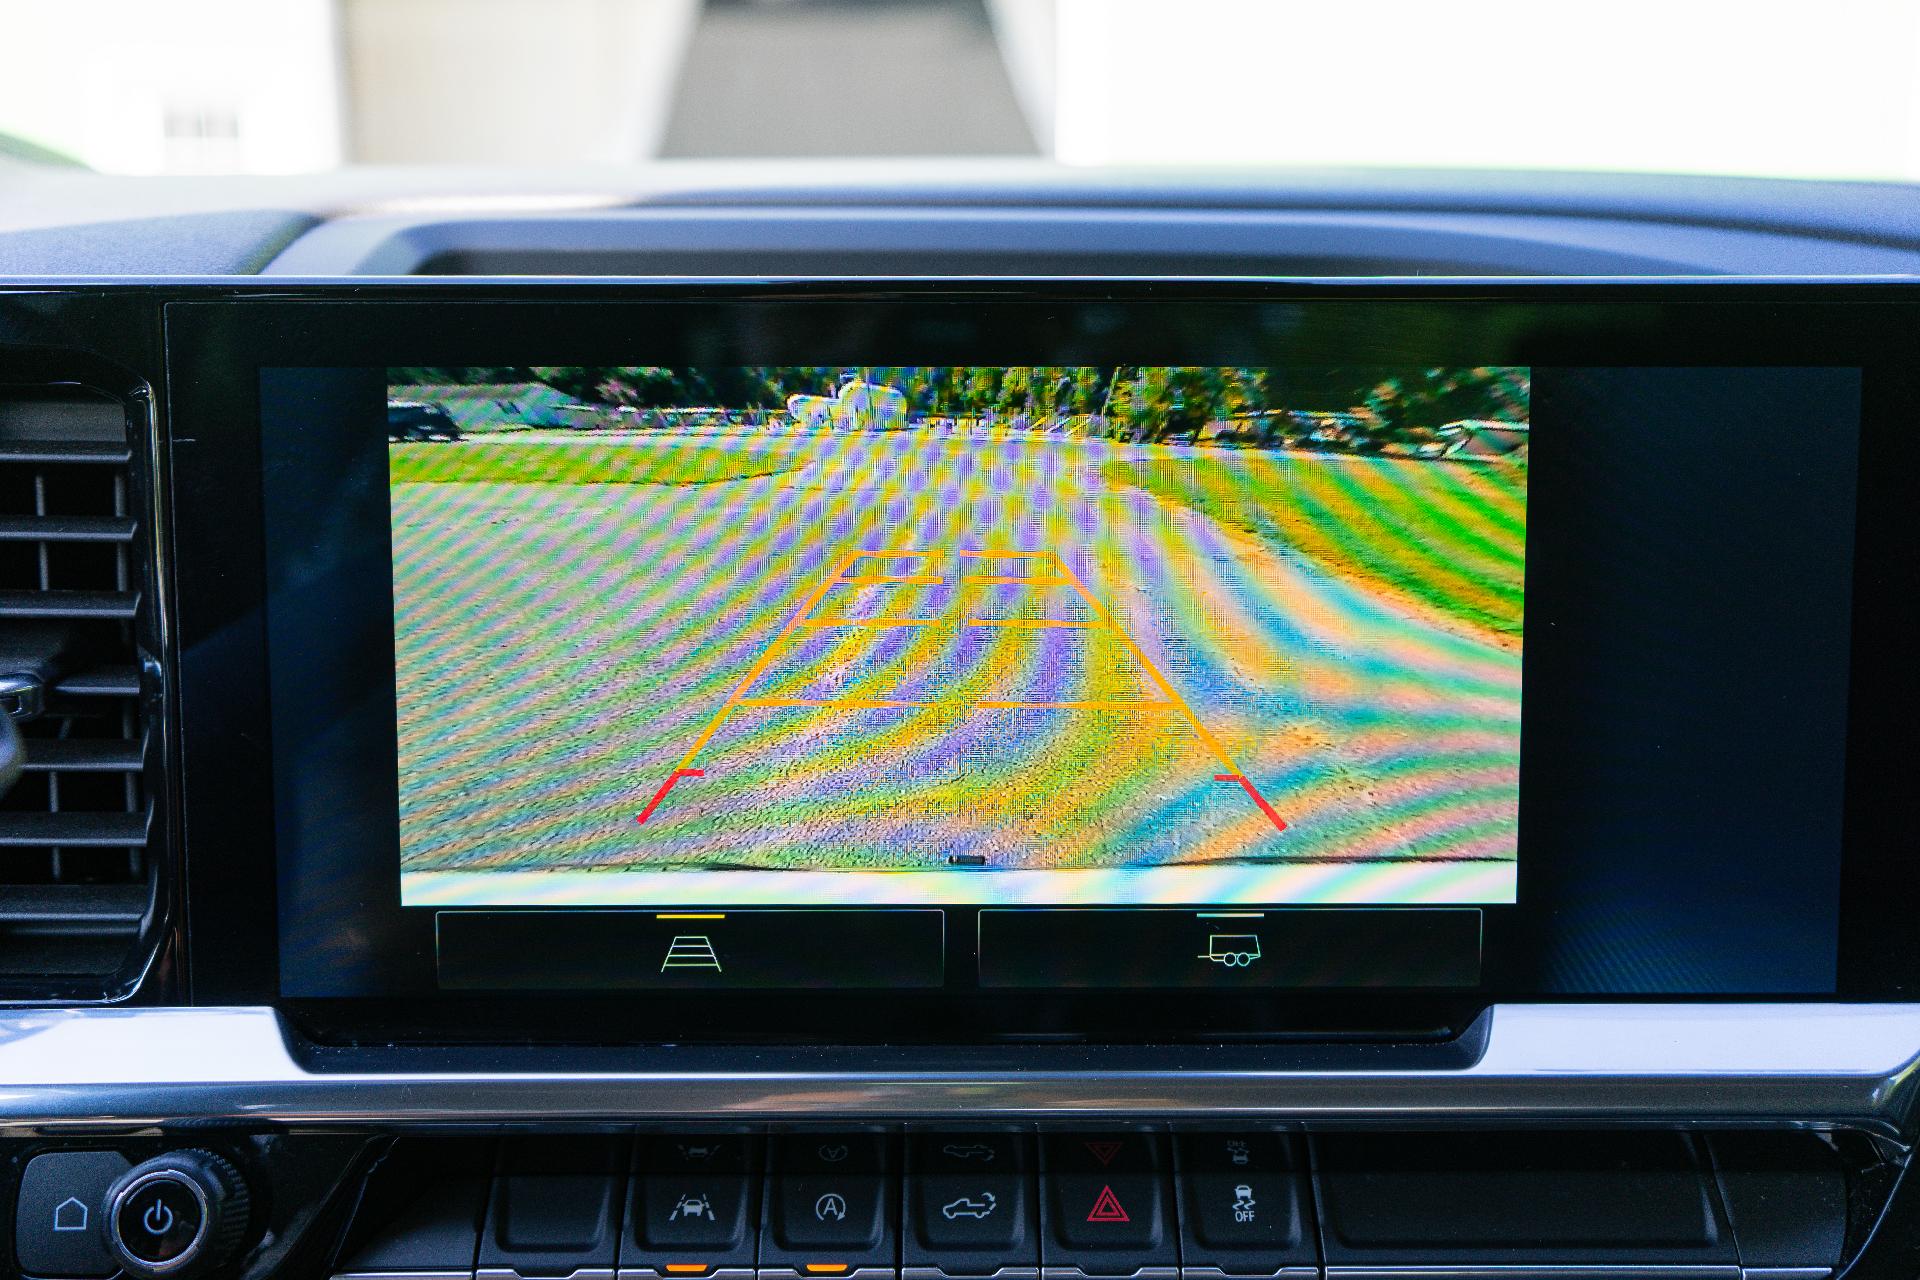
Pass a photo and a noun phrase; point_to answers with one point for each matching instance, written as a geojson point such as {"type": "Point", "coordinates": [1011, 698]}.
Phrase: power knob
{"type": "Point", "coordinates": [181, 1214]}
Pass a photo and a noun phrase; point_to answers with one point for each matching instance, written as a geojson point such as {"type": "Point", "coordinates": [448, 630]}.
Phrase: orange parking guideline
{"type": "Point", "coordinates": [1103, 620]}
{"type": "Point", "coordinates": [870, 622]}
{"type": "Point", "coordinates": [765, 660]}
{"type": "Point", "coordinates": [1146, 664]}
{"type": "Point", "coordinates": [1091, 705]}
{"type": "Point", "coordinates": [1011, 580]}
{"type": "Point", "coordinates": [855, 703]}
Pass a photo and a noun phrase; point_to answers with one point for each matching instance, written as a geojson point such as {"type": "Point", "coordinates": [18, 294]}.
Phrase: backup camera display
{"type": "Point", "coordinates": [865, 636]}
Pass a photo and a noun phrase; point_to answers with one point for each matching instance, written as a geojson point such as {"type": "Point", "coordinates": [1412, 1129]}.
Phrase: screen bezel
{"type": "Point", "coordinates": [215, 354]}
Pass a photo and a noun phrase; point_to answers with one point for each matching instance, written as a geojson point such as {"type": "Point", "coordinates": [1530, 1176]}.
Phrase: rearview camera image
{"type": "Point", "coordinates": [860, 636]}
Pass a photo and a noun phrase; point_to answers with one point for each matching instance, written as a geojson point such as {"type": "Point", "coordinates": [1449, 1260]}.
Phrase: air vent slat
{"type": "Point", "coordinates": [122, 605]}
{"type": "Point", "coordinates": [103, 682]}
{"type": "Point", "coordinates": [49, 905]}
{"type": "Point", "coordinates": [67, 528]}
{"type": "Point", "coordinates": [79, 884]}
{"type": "Point", "coordinates": [101, 452]}
{"type": "Point", "coordinates": [83, 755]}
{"type": "Point", "coordinates": [73, 830]}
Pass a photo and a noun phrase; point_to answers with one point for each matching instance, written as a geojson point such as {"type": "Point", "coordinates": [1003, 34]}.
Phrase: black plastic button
{"type": "Point", "coordinates": [693, 1201]}
{"type": "Point", "coordinates": [1242, 1202]}
{"type": "Point", "coordinates": [554, 1206]}
{"type": "Point", "coordinates": [831, 1192]}
{"type": "Point", "coordinates": [969, 1202]}
{"type": "Point", "coordinates": [1107, 1202]}
{"type": "Point", "coordinates": [160, 1219]}
{"type": "Point", "coordinates": [831, 1201]}
{"type": "Point", "coordinates": [56, 1224]}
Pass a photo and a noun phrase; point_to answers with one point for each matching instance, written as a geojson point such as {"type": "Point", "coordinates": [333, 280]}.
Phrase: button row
{"type": "Point", "coordinates": [1017, 947]}
{"type": "Point", "coordinates": [871, 1204]}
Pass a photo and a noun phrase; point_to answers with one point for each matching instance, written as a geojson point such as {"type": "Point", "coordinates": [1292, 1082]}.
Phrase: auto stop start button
{"type": "Point", "coordinates": [160, 1218]}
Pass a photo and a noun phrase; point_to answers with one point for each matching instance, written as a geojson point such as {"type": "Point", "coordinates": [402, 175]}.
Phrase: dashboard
{"type": "Point", "coordinates": [706, 733]}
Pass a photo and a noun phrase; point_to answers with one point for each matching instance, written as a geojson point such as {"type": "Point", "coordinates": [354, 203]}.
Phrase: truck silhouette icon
{"type": "Point", "coordinates": [1234, 950]}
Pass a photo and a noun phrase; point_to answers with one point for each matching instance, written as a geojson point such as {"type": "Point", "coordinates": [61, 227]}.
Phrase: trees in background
{"type": "Point", "coordinates": [1359, 408]}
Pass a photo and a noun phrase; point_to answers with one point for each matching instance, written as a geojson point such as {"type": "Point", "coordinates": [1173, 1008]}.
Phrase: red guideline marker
{"type": "Point", "coordinates": [665, 787]}
{"type": "Point", "coordinates": [1253, 794]}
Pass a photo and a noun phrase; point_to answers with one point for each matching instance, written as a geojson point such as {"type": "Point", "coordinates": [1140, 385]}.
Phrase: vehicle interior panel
{"type": "Point", "coordinates": [616, 720]}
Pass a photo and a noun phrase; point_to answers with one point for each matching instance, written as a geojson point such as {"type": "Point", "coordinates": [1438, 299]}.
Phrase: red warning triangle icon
{"type": "Point", "coordinates": [1106, 1208]}
{"type": "Point", "coordinates": [1104, 1152]}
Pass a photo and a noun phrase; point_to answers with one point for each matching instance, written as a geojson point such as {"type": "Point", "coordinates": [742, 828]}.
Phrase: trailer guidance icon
{"type": "Point", "coordinates": [1234, 950]}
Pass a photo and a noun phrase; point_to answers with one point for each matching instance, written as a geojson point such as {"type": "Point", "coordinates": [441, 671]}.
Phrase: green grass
{"type": "Point", "coordinates": [529, 462]}
{"type": "Point", "coordinates": [1449, 535]}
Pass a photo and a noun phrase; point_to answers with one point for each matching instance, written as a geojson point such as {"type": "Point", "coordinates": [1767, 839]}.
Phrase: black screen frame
{"type": "Point", "coordinates": [219, 339]}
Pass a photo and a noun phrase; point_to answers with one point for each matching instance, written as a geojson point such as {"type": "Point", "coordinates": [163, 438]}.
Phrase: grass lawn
{"type": "Point", "coordinates": [586, 463]}
{"type": "Point", "coordinates": [1451, 535]}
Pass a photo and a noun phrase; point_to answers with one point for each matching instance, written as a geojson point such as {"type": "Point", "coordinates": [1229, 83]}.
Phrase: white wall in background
{"type": "Point", "coordinates": [528, 82]}
{"type": "Point", "coordinates": [1028, 32]}
{"type": "Point", "coordinates": [1779, 87]}
{"type": "Point", "coordinates": [185, 86]}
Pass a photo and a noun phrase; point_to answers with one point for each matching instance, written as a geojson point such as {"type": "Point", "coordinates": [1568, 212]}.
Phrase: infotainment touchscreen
{"type": "Point", "coordinates": [1415, 653]}
{"type": "Point", "coordinates": [1091, 635]}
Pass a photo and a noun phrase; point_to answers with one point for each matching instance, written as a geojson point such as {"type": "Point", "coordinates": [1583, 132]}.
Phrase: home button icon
{"type": "Point", "coordinates": [70, 1215]}
{"type": "Point", "coordinates": [56, 1225]}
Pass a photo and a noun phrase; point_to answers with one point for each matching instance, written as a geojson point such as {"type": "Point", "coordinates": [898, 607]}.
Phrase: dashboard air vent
{"type": "Point", "coordinates": [78, 880]}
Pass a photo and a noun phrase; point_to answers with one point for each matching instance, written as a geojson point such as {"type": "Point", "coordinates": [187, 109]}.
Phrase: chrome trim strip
{"type": "Point", "coordinates": [1706, 1063]}
{"type": "Point", "coordinates": [1536, 1271]}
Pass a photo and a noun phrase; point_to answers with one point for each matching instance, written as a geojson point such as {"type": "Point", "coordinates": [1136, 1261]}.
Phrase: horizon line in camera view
{"type": "Point", "coordinates": [989, 634]}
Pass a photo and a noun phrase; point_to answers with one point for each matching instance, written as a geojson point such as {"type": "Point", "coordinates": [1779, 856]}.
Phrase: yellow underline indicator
{"type": "Point", "coordinates": [893, 579]}
{"type": "Point", "coordinates": [1007, 551]}
{"type": "Point", "coordinates": [687, 1268]}
{"type": "Point", "coordinates": [1034, 624]}
{"type": "Point", "coordinates": [903, 552]}
{"type": "Point", "coordinates": [868, 622]}
{"type": "Point", "coordinates": [826, 1268]}
{"type": "Point", "coordinates": [692, 915]}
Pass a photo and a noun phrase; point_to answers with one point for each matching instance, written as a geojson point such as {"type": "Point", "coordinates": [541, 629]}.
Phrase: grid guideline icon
{"type": "Point", "coordinates": [690, 951]}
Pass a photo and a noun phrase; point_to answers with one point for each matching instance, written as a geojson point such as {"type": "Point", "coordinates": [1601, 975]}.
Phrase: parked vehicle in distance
{"type": "Point", "coordinates": [418, 420]}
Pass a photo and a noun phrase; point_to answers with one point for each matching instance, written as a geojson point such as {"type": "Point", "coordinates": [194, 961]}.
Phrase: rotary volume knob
{"type": "Point", "coordinates": [180, 1214]}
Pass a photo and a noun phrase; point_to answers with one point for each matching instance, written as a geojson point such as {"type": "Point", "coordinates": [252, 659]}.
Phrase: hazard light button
{"type": "Point", "coordinates": [1107, 1203]}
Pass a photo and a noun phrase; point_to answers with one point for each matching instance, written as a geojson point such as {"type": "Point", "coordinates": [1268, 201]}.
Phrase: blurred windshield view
{"type": "Point", "coordinates": [286, 86]}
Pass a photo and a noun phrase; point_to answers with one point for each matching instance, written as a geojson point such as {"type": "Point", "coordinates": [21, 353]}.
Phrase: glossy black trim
{"type": "Point", "coordinates": [1646, 323]}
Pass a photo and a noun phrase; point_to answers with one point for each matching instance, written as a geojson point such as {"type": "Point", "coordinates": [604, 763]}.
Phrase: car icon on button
{"type": "Point", "coordinates": [970, 1207]}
